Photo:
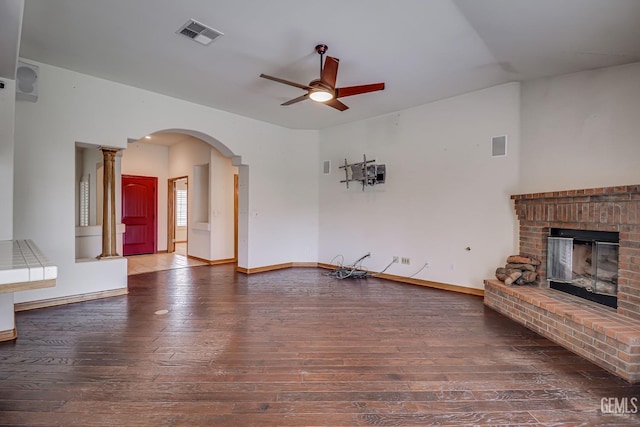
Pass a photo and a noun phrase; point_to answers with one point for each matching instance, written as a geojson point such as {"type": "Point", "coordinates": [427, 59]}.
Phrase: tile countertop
{"type": "Point", "coordinates": [22, 261]}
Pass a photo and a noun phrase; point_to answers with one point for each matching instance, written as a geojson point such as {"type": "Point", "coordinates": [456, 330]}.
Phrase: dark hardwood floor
{"type": "Point", "coordinates": [293, 348]}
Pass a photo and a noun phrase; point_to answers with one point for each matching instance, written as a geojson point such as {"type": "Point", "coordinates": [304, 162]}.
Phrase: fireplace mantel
{"type": "Point", "coordinates": [614, 209]}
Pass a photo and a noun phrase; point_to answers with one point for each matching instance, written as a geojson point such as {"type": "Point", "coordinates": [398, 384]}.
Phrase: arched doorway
{"type": "Point", "coordinates": [215, 194]}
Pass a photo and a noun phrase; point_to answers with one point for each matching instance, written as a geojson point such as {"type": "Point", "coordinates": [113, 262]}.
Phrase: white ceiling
{"type": "Point", "coordinates": [423, 50]}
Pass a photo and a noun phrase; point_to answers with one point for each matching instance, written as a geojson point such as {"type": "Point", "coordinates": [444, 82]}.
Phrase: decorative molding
{"type": "Point", "coordinates": [52, 302]}
{"type": "Point", "coordinates": [8, 335]}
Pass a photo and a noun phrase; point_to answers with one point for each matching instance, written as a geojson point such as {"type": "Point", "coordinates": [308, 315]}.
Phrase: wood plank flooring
{"type": "Point", "coordinates": [292, 348]}
{"type": "Point", "coordinates": [137, 264]}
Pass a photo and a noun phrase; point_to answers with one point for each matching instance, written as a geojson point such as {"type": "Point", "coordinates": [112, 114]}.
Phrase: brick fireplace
{"type": "Point", "coordinates": [609, 337]}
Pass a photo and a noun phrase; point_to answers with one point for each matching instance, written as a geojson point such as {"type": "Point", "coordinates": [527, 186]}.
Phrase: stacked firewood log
{"type": "Point", "coordinates": [519, 270]}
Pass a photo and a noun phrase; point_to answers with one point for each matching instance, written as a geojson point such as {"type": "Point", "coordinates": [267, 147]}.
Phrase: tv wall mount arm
{"type": "Point", "coordinates": [364, 172]}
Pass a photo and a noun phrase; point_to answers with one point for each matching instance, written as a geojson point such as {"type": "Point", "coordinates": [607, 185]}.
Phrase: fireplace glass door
{"type": "Point", "coordinates": [585, 268]}
{"type": "Point", "coordinates": [560, 259]}
{"type": "Point", "coordinates": [605, 280]}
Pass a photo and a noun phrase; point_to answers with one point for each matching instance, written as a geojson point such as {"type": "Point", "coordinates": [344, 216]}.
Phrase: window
{"type": "Point", "coordinates": [181, 208]}
{"type": "Point", "coordinates": [84, 202]}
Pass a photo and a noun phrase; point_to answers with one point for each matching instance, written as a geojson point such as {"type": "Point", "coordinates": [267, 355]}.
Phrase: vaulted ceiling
{"type": "Point", "coordinates": [424, 50]}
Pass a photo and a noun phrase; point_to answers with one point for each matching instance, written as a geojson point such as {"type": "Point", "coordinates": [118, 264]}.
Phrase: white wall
{"type": "Point", "coordinates": [443, 192]}
{"type": "Point", "coordinates": [7, 117]}
{"type": "Point", "coordinates": [151, 160]}
{"type": "Point", "coordinates": [215, 241]}
{"type": "Point", "coordinates": [222, 213]}
{"type": "Point", "coordinates": [73, 107]}
{"type": "Point", "coordinates": [581, 130]}
{"type": "Point", "coordinates": [184, 156]}
{"type": "Point", "coordinates": [296, 177]}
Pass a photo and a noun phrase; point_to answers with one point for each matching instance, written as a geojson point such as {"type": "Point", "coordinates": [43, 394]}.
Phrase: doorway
{"type": "Point", "coordinates": [177, 216]}
{"type": "Point", "coordinates": [139, 214]}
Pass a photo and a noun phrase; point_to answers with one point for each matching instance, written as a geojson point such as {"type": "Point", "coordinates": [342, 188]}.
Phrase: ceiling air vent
{"type": "Point", "coordinates": [199, 32]}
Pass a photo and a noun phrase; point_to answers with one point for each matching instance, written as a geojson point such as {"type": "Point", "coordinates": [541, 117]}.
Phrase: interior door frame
{"type": "Point", "coordinates": [171, 212]}
{"type": "Point", "coordinates": [235, 218]}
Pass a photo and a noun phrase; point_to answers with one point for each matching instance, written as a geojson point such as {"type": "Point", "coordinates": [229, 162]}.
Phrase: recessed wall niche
{"type": "Point", "coordinates": [201, 193]}
{"type": "Point", "coordinates": [88, 201]}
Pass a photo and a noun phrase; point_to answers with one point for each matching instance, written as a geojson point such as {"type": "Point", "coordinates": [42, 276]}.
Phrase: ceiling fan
{"type": "Point", "coordinates": [324, 89]}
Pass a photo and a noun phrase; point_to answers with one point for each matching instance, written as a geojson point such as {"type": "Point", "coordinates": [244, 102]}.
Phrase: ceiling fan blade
{"type": "Point", "coordinates": [298, 99]}
{"type": "Point", "coordinates": [286, 82]}
{"type": "Point", "coordinates": [336, 104]}
{"type": "Point", "coordinates": [330, 71]}
{"type": "Point", "coordinates": [341, 92]}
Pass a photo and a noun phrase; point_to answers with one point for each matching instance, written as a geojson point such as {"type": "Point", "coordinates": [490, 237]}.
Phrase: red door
{"type": "Point", "coordinates": [139, 208]}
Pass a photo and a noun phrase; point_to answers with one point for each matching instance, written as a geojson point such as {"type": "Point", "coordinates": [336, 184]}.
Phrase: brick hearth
{"type": "Point", "coordinates": [610, 338]}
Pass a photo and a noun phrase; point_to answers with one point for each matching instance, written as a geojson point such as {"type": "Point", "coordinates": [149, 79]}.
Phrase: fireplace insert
{"type": "Point", "coordinates": [584, 263]}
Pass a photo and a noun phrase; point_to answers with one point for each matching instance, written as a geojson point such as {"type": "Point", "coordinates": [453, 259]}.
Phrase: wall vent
{"type": "Point", "coordinates": [27, 81]}
{"type": "Point", "coordinates": [326, 167]}
{"type": "Point", "coordinates": [499, 146]}
{"type": "Point", "coordinates": [199, 32]}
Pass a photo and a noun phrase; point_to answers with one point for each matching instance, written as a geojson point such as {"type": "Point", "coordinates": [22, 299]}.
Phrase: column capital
{"type": "Point", "coordinates": [109, 152]}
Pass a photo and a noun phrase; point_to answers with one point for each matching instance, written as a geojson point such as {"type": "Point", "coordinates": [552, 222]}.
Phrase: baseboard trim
{"type": "Point", "coordinates": [391, 277]}
{"type": "Point", "coordinates": [276, 267]}
{"type": "Point", "coordinates": [305, 264]}
{"type": "Point", "coordinates": [8, 335]}
{"type": "Point", "coordinates": [430, 284]}
{"type": "Point", "coordinates": [327, 266]}
{"type": "Point", "coordinates": [198, 259]}
{"type": "Point", "coordinates": [52, 302]}
{"type": "Point", "coordinates": [213, 261]}
{"type": "Point", "coordinates": [419, 282]}
{"type": "Point", "coordinates": [222, 261]}
{"type": "Point", "coordinates": [264, 269]}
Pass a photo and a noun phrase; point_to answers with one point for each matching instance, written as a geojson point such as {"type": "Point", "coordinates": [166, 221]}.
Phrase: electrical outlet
{"type": "Point", "coordinates": [427, 264]}
{"type": "Point", "coordinates": [396, 259]}
{"type": "Point", "coordinates": [452, 266]}
{"type": "Point", "coordinates": [406, 260]}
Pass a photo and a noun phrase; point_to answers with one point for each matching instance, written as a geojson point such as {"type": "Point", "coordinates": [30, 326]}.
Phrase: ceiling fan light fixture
{"type": "Point", "coordinates": [321, 95]}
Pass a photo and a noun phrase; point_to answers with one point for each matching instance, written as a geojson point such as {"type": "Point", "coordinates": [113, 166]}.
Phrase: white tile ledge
{"type": "Point", "coordinates": [22, 261]}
